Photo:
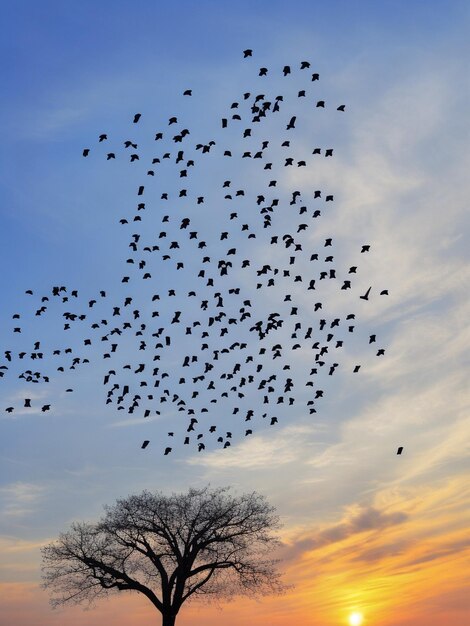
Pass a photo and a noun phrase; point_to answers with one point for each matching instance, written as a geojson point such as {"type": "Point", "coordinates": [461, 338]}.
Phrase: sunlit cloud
{"type": "Point", "coordinates": [359, 520]}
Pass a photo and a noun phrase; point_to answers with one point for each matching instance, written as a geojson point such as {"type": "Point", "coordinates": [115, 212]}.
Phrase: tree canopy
{"type": "Point", "coordinates": [205, 543]}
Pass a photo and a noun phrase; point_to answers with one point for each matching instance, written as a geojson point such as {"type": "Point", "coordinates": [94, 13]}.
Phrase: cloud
{"type": "Point", "coordinates": [259, 451]}
{"type": "Point", "coordinates": [372, 519]}
{"type": "Point", "coordinates": [13, 545]}
{"type": "Point", "coordinates": [360, 520]}
{"type": "Point", "coordinates": [393, 196]}
{"type": "Point", "coordinates": [442, 552]}
{"type": "Point", "coordinates": [16, 400]}
{"type": "Point", "coordinates": [19, 558]}
{"type": "Point", "coordinates": [20, 498]}
{"type": "Point", "coordinates": [383, 551]}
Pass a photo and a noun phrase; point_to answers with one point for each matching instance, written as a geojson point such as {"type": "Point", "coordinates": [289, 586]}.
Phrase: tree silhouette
{"type": "Point", "coordinates": [204, 543]}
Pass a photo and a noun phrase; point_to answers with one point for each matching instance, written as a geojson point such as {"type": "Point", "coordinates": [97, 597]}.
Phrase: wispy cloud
{"type": "Point", "coordinates": [359, 520]}
{"type": "Point", "coordinates": [20, 498]}
{"type": "Point", "coordinates": [388, 555]}
{"type": "Point", "coordinates": [260, 451]}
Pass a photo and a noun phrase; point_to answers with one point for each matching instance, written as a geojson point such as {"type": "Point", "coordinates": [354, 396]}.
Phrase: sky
{"type": "Point", "coordinates": [363, 529]}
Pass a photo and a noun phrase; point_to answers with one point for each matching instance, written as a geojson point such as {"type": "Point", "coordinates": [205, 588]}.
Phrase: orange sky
{"type": "Point", "coordinates": [404, 560]}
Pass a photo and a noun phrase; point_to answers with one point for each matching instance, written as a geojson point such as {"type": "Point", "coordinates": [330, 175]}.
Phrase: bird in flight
{"type": "Point", "coordinates": [219, 313]}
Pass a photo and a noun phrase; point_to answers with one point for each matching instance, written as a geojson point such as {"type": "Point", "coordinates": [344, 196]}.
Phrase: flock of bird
{"type": "Point", "coordinates": [221, 324]}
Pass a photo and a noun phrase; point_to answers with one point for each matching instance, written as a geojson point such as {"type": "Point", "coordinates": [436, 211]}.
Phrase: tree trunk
{"type": "Point", "coordinates": [169, 619]}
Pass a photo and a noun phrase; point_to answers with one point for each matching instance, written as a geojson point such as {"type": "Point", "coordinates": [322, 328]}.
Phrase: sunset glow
{"type": "Point", "coordinates": [370, 478]}
{"type": "Point", "coordinates": [355, 619]}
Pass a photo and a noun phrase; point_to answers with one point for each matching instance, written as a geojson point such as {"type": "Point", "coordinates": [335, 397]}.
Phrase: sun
{"type": "Point", "coordinates": [355, 619]}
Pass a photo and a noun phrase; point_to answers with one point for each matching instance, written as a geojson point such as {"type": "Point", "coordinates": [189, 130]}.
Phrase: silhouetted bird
{"type": "Point", "coordinates": [207, 334]}
{"type": "Point", "coordinates": [291, 123]}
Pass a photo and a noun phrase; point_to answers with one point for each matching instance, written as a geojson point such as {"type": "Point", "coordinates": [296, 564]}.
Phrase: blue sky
{"type": "Point", "coordinates": [71, 71]}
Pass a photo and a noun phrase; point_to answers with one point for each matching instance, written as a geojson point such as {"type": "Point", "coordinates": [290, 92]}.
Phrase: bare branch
{"type": "Point", "coordinates": [204, 543]}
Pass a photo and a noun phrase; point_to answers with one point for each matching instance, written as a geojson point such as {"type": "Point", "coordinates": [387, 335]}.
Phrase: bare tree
{"type": "Point", "coordinates": [203, 543]}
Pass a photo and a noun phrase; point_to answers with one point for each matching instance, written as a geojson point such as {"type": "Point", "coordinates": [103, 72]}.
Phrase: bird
{"type": "Point", "coordinates": [400, 450]}
{"type": "Point", "coordinates": [222, 312]}
{"type": "Point", "coordinates": [291, 123]}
